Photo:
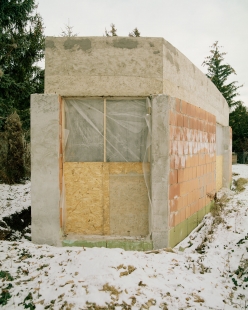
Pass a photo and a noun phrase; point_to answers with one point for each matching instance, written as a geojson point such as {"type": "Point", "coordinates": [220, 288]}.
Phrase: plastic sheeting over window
{"type": "Point", "coordinates": [122, 128]}
{"type": "Point", "coordinates": [84, 120]}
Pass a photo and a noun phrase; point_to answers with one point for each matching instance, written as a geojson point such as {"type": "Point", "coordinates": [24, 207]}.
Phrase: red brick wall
{"type": "Point", "coordinates": [192, 160]}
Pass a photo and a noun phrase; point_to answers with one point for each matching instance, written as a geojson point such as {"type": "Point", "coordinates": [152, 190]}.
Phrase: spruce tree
{"type": "Point", "coordinates": [219, 72]}
{"type": "Point", "coordinates": [21, 47]}
{"type": "Point", "coordinates": [238, 120]}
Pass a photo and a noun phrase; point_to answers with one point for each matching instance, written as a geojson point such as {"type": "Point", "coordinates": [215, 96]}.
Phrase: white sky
{"type": "Point", "coordinates": [192, 26]}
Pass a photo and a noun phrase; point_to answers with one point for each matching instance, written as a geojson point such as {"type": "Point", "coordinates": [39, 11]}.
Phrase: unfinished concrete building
{"type": "Point", "coordinates": [127, 141]}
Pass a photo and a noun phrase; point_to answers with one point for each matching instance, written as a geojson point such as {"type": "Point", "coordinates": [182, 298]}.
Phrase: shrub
{"type": "Point", "coordinates": [15, 169]}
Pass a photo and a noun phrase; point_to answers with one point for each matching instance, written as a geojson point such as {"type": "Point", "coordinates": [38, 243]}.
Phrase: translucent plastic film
{"type": "Point", "coordinates": [126, 130]}
{"type": "Point", "coordinates": [120, 132]}
{"type": "Point", "coordinates": [84, 120]}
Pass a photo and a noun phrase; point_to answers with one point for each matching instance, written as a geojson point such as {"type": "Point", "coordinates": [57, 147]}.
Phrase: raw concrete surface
{"type": "Point", "coordinates": [124, 66]}
{"type": "Point", "coordinates": [160, 169]}
{"type": "Point", "coordinates": [45, 169]}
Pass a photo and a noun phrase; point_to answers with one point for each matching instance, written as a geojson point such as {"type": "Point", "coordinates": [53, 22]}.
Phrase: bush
{"type": "Point", "coordinates": [15, 169]}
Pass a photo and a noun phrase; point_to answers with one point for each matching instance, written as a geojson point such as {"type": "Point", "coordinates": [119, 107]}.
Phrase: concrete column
{"type": "Point", "coordinates": [160, 171]}
{"type": "Point", "coordinates": [45, 194]}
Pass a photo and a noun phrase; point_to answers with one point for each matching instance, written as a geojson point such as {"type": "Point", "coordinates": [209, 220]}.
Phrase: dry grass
{"type": "Point", "coordinates": [239, 184]}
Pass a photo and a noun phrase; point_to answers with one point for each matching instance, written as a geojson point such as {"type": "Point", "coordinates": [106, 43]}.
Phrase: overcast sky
{"type": "Point", "coordinates": [192, 26]}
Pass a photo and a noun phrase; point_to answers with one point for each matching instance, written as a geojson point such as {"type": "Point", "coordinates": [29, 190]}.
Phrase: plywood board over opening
{"type": "Point", "coordinates": [106, 199]}
{"type": "Point", "coordinates": [128, 200]}
{"type": "Point", "coordinates": [84, 198]}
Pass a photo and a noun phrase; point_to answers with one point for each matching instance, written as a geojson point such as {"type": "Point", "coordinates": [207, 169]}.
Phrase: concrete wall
{"type": "Point", "coordinates": [223, 156]}
{"type": "Point", "coordinates": [45, 193]}
{"type": "Point", "coordinates": [121, 66]}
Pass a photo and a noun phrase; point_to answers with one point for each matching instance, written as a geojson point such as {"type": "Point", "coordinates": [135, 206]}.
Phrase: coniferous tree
{"type": "Point", "coordinates": [238, 120]}
{"type": "Point", "coordinates": [112, 32]}
{"type": "Point", "coordinates": [219, 72]}
{"type": "Point", "coordinates": [68, 31]}
{"type": "Point", "coordinates": [21, 47]}
{"type": "Point", "coordinates": [134, 33]}
{"type": "Point", "coordinates": [15, 169]}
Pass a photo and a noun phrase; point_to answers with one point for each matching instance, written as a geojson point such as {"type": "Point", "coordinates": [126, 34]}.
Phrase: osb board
{"type": "Point", "coordinates": [84, 198]}
{"type": "Point", "coordinates": [104, 195]}
{"type": "Point", "coordinates": [128, 200]}
{"type": "Point", "coordinates": [219, 172]}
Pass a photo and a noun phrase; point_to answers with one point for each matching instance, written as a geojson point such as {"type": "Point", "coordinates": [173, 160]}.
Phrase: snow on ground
{"type": "Point", "coordinates": [208, 270]}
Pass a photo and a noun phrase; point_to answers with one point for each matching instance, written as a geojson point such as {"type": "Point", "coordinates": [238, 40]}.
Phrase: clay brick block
{"type": "Point", "coordinates": [180, 147]}
{"type": "Point", "coordinates": [180, 203]}
{"type": "Point", "coordinates": [184, 107]}
{"type": "Point", "coordinates": [185, 121]}
{"type": "Point", "coordinates": [173, 191]}
{"type": "Point", "coordinates": [182, 161]}
{"type": "Point", "coordinates": [185, 147]}
{"type": "Point", "coordinates": [193, 111]}
{"type": "Point", "coordinates": [173, 176]}
{"type": "Point", "coordinates": [174, 147]}
{"type": "Point", "coordinates": [181, 177]}
{"type": "Point", "coordinates": [190, 148]}
{"type": "Point", "coordinates": [201, 159]}
{"type": "Point", "coordinates": [188, 112]}
{"type": "Point", "coordinates": [185, 199]}
{"type": "Point", "coordinates": [188, 134]}
{"type": "Point", "coordinates": [176, 162]}
{"type": "Point", "coordinates": [190, 122]}
{"type": "Point", "coordinates": [184, 188]}
{"type": "Point", "coordinates": [172, 162]}
{"type": "Point", "coordinates": [177, 133]}
{"type": "Point", "coordinates": [194, 172]}
{"type": "Point", "coordinates": [179, 120]}
{"type": "Point", "coordinates": [173, 203]}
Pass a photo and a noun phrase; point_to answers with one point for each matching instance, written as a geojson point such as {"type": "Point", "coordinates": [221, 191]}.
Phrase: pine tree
{"type": "Point", "coordinates": [219, 72]}
{"type": "Point", "coordinates": [134, 33]}
{"type": "Point", "coordinates": [15, 169]}
{"type": "Point", "coordinates": [21, 47]}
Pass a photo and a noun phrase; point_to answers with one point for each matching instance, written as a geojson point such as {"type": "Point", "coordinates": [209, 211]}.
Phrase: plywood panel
{"type": "Point", "coordinates": [219, 172]}
{"type": "Point", "coordinates": [105, 199]}
{"type": "Point", "coordinates": [128, 200]}
{"type": "Point", "coordinates": [84, 198]}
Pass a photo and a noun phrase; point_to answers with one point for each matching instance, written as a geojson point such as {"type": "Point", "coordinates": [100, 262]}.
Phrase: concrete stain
{"type": "Point", "coordinates": [50, 44]}
{"type": "Point", "coordinates": [125, 43]}
{"type": "Point", "coordinates": [171, 48]}
{"type": "Point", "coordinates": [170, 58]}
{"type": "Point", "coordinates": [156, 52]}
{"type": "Point", "coordinates": [83, 44]}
